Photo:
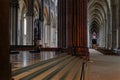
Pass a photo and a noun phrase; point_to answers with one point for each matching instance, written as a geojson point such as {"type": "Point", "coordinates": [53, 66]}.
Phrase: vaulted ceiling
{"type": "Point", "coordinates": [97, 13]}
{"type": "Point", "coordinates": [23, 4]}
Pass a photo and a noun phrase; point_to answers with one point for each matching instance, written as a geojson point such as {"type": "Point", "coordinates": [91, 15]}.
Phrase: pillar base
{"type": "Point", "coordinates": [79, 52]}
{"type": "Point", "coordinates": [117, 51]}
{"type": "Point", "coordinates": [84, 55]}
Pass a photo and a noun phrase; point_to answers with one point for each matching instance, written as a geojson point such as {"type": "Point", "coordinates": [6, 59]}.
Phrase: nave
{"type": "Point", "coordinates": [65, 25]}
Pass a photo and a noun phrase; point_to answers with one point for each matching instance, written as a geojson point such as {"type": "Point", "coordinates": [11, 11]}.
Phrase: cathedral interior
{"type": "Point", "coordinates": [60, 40]}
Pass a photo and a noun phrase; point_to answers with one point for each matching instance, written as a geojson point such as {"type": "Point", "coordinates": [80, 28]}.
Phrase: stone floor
{"type": "Point", "coordinates": [25, 58]}
{"type": "Point", "coordinates": [102, 67]}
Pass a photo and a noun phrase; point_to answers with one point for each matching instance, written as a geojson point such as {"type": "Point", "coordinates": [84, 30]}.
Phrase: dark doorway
{"type": "Point", "coordinates": [94, 40]}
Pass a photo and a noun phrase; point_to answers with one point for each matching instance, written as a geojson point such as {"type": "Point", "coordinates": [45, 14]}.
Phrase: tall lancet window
{"type": "Point", "coordinates": [25, 31]}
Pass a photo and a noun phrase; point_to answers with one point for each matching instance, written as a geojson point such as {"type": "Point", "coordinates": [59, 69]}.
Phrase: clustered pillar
{"type": "Point", "coordinates": [14, 21]}
{"type": "Point", "coordinates": [61, 23]}
{"type": "Point", "coordinates": [29, 19]}
{"type": "Point", "coordinates": [72, 19]}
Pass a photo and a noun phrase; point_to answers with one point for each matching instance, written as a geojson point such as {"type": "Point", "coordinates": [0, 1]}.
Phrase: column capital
{"type": "Point", "coordinates": [29, 13]}
{"type": "Point", "coordinates": [14, 3]}
{"type": "Point", "coordinates": [30, 8]}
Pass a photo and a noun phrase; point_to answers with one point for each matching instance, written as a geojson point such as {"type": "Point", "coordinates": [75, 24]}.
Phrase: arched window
{"type": "Point", "coordinates": [25, 31]}
{"type": "Point", "coordinates": [25, 26]}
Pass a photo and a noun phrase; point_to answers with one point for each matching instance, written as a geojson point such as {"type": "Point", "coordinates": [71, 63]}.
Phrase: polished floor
{"type": "Point", "coordinates": [100, 67]}
{"type": "Point", "coordinates": [64, 67]}
{"type": "Point", "coordinates": [25, 58]}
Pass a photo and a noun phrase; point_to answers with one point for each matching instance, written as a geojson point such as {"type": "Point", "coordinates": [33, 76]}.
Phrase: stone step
{"type": "Point", "coordinates": [63, 73]}
{"type": "Point", "coordinates": [30, 71]}
{"type": "Point", "coordinates": [63, 68]}
{"type": "Point", "coordinates": [19, 71]}
{"type": "Point", "coordinates": [78, 73]}
{"type": "Point", "coordinates": [54, 70]}
{"type": "Point", "coordinates": [74, 71]}
{"type": "Point", "coordinates": [32, 75]}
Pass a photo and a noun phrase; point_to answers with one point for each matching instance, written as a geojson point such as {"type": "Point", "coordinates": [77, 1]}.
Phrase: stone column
{"type": "Point", "coordinates": [119, 27]}
{"type": "Point", "coordinates": [62, 23]}
{"type": "Point", "coordinates": [103, 34]}
{"type": "Point", "coordinates": [29, 22]}
{"type": "Point", "coordinates": [72, 25]}
{"type": "Point", "coordinates": [41, 20]}
{"type": "Point", "coordinates": [77, 26]}
{"type": "Point", "coordinates": [21, 31]}
{"type": "Point", "coordinates": [119, 37]}
{"type": "Point", "coordinates": [88, 32]}
{"type": "Point", "coordinates": [59, 23]}
{"type": "Point", "coordinates": [5, 70]}
{"type": "Point", "coordinates": [69, 25]}
{"type": "Point", "coordinates": [114, 32]}
{"type": "Point", "coordinates": [108, 30]}
{"type": "Point", "coordinates": [47, 32]}
{"type": "Point", "coordinates": [13, 21]}
{"type": "Point", "coordinates": [29, 39]}
{"type": "Point", "coordinates": [19, 28]}
{"type": "Point", "coordinates": [46, 35]}
{"type": "Point", "coordinates": [106, 34]}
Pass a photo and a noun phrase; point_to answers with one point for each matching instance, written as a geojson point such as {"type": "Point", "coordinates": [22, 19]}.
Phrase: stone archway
{"type": "Point", "coordinates": [99, 14]}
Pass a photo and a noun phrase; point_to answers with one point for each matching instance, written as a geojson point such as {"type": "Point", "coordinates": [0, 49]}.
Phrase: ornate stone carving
{"type": "Point", "coordinates": [14, 3]}
{"type": "Point", "coordinates": [30, 10]}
